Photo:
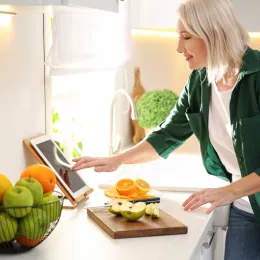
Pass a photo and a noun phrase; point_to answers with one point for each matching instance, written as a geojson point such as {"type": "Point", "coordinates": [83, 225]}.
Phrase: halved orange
{"type": "Point", "coordinates": [142, 186]}
{"type": "Point", "coordinates": [126, 187]}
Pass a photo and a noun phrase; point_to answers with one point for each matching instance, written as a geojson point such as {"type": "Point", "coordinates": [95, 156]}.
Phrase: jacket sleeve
{"type": "Point", "coordinates": [174, 130]}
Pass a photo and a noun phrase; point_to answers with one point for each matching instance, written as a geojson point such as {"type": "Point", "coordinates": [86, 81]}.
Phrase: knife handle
{"type": "Point", "coordinates": [147, 200]}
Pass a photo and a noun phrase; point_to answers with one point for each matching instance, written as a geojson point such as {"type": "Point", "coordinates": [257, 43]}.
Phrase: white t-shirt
{"type": "Point", "coordinates": [221, 138]}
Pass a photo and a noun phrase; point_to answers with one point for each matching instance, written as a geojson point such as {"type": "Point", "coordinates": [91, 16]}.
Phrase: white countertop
{"type": "Point", "coordinates": [78, 237]}
{"type": "Point", "coordinates": [179, 172]}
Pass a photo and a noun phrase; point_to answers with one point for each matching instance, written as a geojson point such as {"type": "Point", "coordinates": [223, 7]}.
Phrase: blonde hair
{"type": "Point", "coordinates": [215, 22]}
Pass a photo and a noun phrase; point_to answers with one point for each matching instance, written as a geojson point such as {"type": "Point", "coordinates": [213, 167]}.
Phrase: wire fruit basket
{"type": "Point", "coordinates": [24, 228]}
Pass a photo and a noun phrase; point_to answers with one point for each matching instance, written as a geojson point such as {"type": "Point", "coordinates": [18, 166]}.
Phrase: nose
{"type": "Point", "coordinates": [180, 47]}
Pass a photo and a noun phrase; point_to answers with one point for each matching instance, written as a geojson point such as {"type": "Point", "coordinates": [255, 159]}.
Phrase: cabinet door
{"type": "Point", "coordinates": [153, 14]}
{"type": "Point", "coordinates": [108, 5]}
{"type": "Point", "coordinates": [248, 13]}
{"type": "Point", "coordinates": [219, 244]}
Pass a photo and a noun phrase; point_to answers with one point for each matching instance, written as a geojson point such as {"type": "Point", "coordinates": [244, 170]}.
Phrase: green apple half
{"type": "Point", "coordinates": [34, 225]}
{"type": "Point", "coordinates": [8, 227]}
{"type": "Point", "coordinates": [33, 186]}
{"type": "Point", "coordinates": [20, 197]}
{"type": "Point", "coordinates": [152, 210]}
{"type": "Point", "coordinates": [134, 212]}
{"type": "Point", "coordinates": [51, 205]}
{"type": "Point", "coordinates": [115, 207]}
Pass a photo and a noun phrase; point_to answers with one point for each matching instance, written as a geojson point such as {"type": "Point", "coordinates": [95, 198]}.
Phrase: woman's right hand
{"type": "Point", "coordinates": [100, 164]}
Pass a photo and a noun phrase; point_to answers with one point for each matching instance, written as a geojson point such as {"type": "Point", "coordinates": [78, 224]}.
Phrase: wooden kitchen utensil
{"type": "Point", "coordinates": [138, 91]}
{"type": "Point", "coordinates": [69, 202]}
{"type": "Point", "coordinates": [119, 227]}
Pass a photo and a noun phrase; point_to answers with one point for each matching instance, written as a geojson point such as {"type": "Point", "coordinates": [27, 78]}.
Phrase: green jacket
{"type": "Point", "coordinates": [190, 115]}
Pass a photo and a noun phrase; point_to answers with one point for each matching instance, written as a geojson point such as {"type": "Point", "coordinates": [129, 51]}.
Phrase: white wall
{"type": "Point", "coordinates": [162, 67]}
{"type": "Point", "coordinates": [22, 109]}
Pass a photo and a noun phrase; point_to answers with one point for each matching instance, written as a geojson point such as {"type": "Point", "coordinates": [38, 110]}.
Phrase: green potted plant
{"type": "Point", "coordinates": [153, 107]}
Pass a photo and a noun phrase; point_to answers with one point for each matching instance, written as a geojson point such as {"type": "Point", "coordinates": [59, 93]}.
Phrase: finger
{"type": "Point", "coordinates": [197, 204]}
{"type": "Point", "coordinates": [77, 159]}
{"type": "Point", "coordinates": [82, 161]}
{"type": "Point", "coordinates": [84, 158]}
{"type": "Point", "coordinates": [107, 168]}
{"type": "Point", "coordinates": [212, 207]}
{"type": "Point", "coordinates": [192, 196]}
{"type": "Point", "coordinates": [91, 164]}
{"type": "Point", "coordinates": [191, 203]}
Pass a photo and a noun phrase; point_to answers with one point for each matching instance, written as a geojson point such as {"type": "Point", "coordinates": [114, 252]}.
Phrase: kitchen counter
{"type": "Point", "coordinates": [78, 237]}
{"type": "Point", "coordinates": [179, 172]}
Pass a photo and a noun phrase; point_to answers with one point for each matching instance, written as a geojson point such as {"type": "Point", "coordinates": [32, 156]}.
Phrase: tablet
{"type": "Point", "coordinates": [54, 158]}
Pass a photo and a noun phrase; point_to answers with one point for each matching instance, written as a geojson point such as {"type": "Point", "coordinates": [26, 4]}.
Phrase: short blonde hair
{"type": "Point", "coordinates": [215, 22]}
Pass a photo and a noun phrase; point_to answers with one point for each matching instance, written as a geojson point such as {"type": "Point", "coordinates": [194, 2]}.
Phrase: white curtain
{"type": "Point", "coordinates": [93, 40]}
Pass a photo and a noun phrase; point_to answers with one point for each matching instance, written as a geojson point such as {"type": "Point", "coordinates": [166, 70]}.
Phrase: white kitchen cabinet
{"type": "Point", "coordinates": [22, 6]}
{"type": "Point", "coordinates": [161, 14]}
{"type": "Point", "coordinates": [153, 14]}
{"type": "Point", "coordinates": [248, 12]}
{"type": "Point", "coordinates": [212, 244]}
{"type": "Point", "coordinates": [219, 244]}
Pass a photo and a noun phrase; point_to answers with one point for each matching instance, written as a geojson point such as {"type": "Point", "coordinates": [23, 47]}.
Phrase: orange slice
{"type": "Point", "coordinates": [142, 186]}
{"type": "Point", "coordinates": [126, 187]}
{"type": "Point", "coordinates": [112, 193]}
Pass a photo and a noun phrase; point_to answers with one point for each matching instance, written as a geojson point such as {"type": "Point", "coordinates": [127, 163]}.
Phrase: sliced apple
{"type": "Point", "coordinates": [115, 207]}
{"type": "Point", "coordinates": [155, 213]}
{"type": "Point", "coordinates": [152, 210]}
{"type": "Point", "coordinates": [134, 212]}
{"type": "Point", "coordinates": [148, 209]}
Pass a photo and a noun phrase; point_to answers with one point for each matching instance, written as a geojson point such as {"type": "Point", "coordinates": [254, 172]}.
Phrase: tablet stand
{"type": "Point", "coordinates": [69, 202]}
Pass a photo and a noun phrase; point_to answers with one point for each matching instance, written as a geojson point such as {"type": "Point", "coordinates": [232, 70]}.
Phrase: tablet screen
{"type": "Point", "coordinates": [70, 177]}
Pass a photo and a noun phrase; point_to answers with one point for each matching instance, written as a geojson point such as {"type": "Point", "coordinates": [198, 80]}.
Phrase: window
{"type": "Point", "coordinates": [81, 112]}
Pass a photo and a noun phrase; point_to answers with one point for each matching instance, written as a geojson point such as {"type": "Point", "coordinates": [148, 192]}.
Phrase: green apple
{"type": "Point", "coordinates": [133, 213]}
{"type": "Point", "coordinates": [2, 208]}
{"type": "Point", "coordinates": [115, 206]}
{"type": "Point", "coordinates": [51, 205]}
{"type": "Point", "coordinates": [148, 209]}
{"type": "Point", "coordinates": [20, 197]}
{"type": "Point", "coordinates": [155, 213]}
{"type": "Point", "coordinates": [152, 210]}
{"type": "Point", "coordinates": [8, 227]}
{"type": "Point", "coordinates": [34, 225]}
{"type": "Point", "coordinates": [34, 186]}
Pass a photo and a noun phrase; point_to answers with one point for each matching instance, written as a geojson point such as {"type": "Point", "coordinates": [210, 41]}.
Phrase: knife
{"type": "Point", "coordinates": [146, 200]}
{"type": "Point", "coordinates": [109, 203]}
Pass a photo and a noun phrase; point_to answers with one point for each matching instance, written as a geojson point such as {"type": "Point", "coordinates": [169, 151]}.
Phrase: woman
{"type": "Point", "coordinates": [220, 104]}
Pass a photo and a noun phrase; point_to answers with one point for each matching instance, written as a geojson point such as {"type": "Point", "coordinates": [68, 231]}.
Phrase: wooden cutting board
{"type": "Point", "coordinates": [118, 227]}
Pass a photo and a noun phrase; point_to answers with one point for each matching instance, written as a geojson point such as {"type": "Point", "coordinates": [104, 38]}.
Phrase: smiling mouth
{"type": "Point", "coordinates": [187, 58]}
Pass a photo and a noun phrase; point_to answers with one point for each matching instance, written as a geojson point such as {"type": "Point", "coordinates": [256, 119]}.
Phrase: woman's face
{"type": "Point", "coordinates": [193, 48]}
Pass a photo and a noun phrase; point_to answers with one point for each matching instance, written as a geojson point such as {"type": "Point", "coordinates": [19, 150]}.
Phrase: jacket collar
{"type": "Point", "coordinates": [251, 64]}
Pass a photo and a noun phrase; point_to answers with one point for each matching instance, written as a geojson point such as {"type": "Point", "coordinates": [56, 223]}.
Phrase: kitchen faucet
{"type": "Point", "coordinates": [134, 116]}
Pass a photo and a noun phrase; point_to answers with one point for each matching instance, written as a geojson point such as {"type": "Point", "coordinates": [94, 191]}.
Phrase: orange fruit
{"type": "Point", "coordinates": [22, 240]}
{"type": "Point", "coordinates": [5, 185]}
{"type": "Point", "coordinates": [142, 186]}
{"type": "Point", "coordinates": [42, 174]}
{"type": "Point", "coordinates": [126, 187]}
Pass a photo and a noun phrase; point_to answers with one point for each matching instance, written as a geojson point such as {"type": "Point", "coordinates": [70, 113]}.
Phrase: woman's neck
{"type": "Point", "coordinates": [227, 82]}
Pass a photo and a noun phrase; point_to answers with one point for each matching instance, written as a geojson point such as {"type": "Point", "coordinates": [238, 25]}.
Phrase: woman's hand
{"type": "Point", "coordinates": [216, 196]}
{"type": "Point", "coordinates": [103, 164]}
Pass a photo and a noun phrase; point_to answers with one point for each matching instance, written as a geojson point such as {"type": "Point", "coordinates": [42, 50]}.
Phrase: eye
{"type": "Point", "coordinates": [186, 36]}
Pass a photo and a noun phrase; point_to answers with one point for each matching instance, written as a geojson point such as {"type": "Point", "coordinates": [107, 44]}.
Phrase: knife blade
{"type": "Point", "coordinates": [146, 200]}
{"type": "Point", "coordinates": [109, 203]}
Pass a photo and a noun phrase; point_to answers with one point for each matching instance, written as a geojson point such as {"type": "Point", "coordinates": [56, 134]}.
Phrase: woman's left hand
{"type": "Point", "coordinates": [216, 196]}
